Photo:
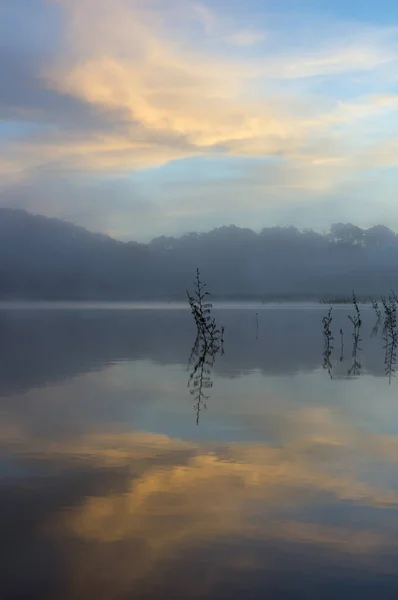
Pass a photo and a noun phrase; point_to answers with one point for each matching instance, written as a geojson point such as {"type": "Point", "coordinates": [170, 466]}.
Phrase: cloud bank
{"type": "Point", "coordinates": [268, 119]}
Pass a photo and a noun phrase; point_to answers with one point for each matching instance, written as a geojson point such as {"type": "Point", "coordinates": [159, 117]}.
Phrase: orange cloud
{"type": "Point", "coordinates": [184, 496]}
{"type": "Point", "coordinates": [179, 496]}
{"type": "Point", "coordinates": [162, 97]}
{"type": "Point", "coordinates": [126, 62]}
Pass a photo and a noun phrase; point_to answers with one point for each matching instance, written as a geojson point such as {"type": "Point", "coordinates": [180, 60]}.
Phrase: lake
{"type": "Point", "coordinates": [117, 482]}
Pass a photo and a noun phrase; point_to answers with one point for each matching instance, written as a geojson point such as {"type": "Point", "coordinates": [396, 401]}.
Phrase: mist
{"type": "Point", "coordinates": [43, 258]}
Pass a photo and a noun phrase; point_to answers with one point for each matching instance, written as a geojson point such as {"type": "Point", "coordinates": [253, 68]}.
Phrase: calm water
{"type": "Point", "coordinates": [286, 488]}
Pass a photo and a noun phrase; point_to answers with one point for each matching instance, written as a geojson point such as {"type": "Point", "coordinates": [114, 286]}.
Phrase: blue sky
{"type": "Point", "coordinates": [144, 117]}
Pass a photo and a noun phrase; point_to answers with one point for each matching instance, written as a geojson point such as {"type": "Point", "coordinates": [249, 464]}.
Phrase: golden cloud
{"type": "Point", "coordinates": [164, 97]}
{"type": "Point", "coordinates": [185, 496]}
{"type": "Point", "coordinates": [127, 61]}
{"type": "Point", "coordinates": [181, 496]}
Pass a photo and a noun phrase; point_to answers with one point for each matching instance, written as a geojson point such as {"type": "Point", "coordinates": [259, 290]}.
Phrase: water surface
{"type": "Point", "coordinates": [116, 484]}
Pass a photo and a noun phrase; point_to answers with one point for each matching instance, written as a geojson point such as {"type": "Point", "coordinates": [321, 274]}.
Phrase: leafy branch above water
{"type": "Point", "coordinates": [201, 311]}
{"type": "Point", "coordinates": [209, 341]}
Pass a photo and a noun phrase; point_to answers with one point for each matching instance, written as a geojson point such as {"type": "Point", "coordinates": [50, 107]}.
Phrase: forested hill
{"type": "Point", "coordinates": [44, 258]}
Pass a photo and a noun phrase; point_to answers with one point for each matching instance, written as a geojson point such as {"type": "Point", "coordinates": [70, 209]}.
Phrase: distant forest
{"type": "Point", "coordinates": [42, 258]}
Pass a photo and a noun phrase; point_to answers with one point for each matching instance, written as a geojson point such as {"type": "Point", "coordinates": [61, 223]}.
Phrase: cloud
{"type": "Point", "coordinates": [246, 37]}
{"type": "Point", "coordinates": [171, 101]}
{"type": "Point", "coordinates": [145, 84]}
{"type": "Point", "coordinates": [320, 451]}
{"type": "Point", "coordinates": [174, 497]}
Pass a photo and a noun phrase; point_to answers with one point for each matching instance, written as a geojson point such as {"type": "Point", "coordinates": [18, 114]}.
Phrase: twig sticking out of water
{"type": "Point", "coordinates": [357, 323]}
{"type": "Point", "coordinates": [327, 342]}
{"type": "Point", "coordinates": [394, 296]}
{"type": "Point", "coordinates": [390, 335]}
{"type": "Point", "coordinates": [375, 329]}
{"type": "Point", "coordinates": [201, 310]}
{"type": "Point", "coordinates": [341, 345]}
{"type": "Point", "coordinates": [375, 306]}
{"type": "Point", "coordinates": [356, 318]}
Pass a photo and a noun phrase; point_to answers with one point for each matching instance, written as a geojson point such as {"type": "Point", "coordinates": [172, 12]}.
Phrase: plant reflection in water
{"type": "Point", "coordinates": [208, 343]}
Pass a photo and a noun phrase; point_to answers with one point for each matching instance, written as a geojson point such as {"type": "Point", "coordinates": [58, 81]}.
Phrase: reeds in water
{"type": "Point", "coordinates": [327, 342]}
{"type": "Point", "coordinates": [390, 334]}
{"type": "Point", "coordinates": [375, 306]}
{"type": "Point", "coordinates": [356, 320]}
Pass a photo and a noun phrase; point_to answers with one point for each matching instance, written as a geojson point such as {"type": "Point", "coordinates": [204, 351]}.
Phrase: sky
{"type": "Point", "coordinates": [140, 118]}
